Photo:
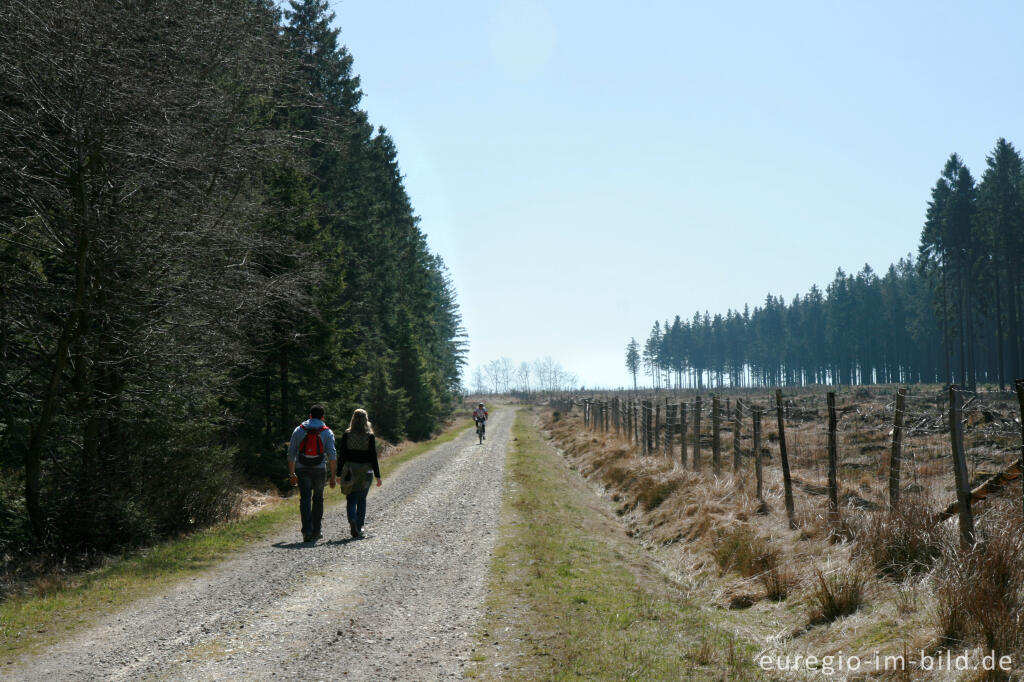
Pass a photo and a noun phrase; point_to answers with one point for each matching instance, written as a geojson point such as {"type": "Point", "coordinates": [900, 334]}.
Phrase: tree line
{"type": "Point", "coordinates": [952, 313]}
{"type": "Point", "coordinates": [505, 376]}
{"type": "Point", "coordinates": [202, 234]}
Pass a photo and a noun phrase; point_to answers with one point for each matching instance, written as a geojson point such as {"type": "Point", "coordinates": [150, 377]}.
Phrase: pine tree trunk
{"type": "Point", "coordinates": [999, 336]}
{"type": "Point", "coordinates": [945, 330]}
{"type": "Point", "coordinates": [70, 331]}
{"type": "Point", "coordinates": [285, 412]}
{"type": "Point", "coordinates": [972, 369]}
{"type": "Point", "coordinates": [962, 341]}
{"type": "Point", "coordinates": [1015, 344]}
{"type": "Point", "coordinates": [268, 409]}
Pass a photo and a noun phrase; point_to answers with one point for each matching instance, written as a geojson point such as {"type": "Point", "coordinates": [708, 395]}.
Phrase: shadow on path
{"type": "Point", "coordinates": [293, 545]}
{"type": "Point", "coordinates": [311, 544]}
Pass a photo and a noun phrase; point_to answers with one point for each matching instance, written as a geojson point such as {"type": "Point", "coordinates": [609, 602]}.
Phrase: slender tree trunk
{"type": "Point", "coordinates": [286, 418]}
{"type": "Point", "coordinates": [999, 335]}
{"type": "Point", "coordinates": [972, 367]}
{"type": "Point", "coordinates": [945, 329]}
{"type": "Point", "coordinates": [268, 409]}
{"type": "Point", "coordinates": [962, 340]}
{"type": "Point", "coordinates": [1015, 345]}
{"type": "Point", "coordinates": [88, 398]}
{"type": "Point", "coordinates": [69, 332]}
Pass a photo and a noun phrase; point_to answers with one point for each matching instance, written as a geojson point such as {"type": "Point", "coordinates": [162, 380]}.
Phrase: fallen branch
{"type": "Point", "coordinates": [988, 485]}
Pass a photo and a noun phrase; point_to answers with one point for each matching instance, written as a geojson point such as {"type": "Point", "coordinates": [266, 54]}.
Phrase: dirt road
{"type": "Point", "coordinates": [400, 604]}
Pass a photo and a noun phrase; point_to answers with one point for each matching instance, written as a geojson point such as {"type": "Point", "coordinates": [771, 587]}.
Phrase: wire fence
{"type": "Point", "coordinates": [859, 447]}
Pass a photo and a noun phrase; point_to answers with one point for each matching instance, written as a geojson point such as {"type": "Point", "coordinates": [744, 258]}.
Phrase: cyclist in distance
{"type": "Point", "coordinates": [480, 417]}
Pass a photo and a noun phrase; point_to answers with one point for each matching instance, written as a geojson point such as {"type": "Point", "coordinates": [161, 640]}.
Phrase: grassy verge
{"type": "Point", "coordinates": [59, 605]}
{"type": "Point", "coordinates": [572, 598]}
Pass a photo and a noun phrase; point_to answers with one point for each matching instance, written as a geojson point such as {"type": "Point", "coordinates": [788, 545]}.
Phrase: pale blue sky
{"type": "Point", "coordinates": [588, 167]}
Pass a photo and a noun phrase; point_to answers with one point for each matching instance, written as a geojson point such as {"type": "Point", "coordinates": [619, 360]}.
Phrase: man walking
{"type": "Point", "coordinates": [309, 452]}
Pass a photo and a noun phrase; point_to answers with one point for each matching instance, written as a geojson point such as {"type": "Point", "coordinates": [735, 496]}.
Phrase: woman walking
{"type": "Point", "coordinates": [357, 462]}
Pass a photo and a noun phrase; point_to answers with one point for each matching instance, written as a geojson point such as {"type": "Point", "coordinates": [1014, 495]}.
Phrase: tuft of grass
{"type": "Point", "coordinates": [751, 555]}
{"type": "Point", "coordinates": [778, 582]}
{"type": "Point", "coordinates": [653, 492]}
{"type": "Point", "coordinates": [57, 604]}
{"type": "Point", "coordinates": [981, 591]}
{"type": "Point", "coordinates": [907, 598]}
{"type": "Point", "coordinates": [742, 550]}
{"type": "Point", "coordinates": [573, 599]}
{"type": "Point", "coordinates": [952, 586]}
{"type": "Point", "coordinates": [838, 594]}
{"type": "Point", "coordinates": [901, 542]}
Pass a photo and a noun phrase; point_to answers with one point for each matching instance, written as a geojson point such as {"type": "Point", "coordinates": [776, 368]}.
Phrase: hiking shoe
{"type": "Point", "coordinates": [354, 529]}
{"type": "Point", "coordinates": [307, 538]}
{"type": "Point", "coordinates": [316, 536]}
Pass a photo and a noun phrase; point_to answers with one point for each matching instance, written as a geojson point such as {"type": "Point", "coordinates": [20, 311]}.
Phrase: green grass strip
{"type": "Point", "coordinates": [573, 599]}
{"type": "Point", "coordinates": [28, 622]}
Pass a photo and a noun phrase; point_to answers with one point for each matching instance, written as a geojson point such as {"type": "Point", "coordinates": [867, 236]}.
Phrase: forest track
{"type": "Point", "coordinates": [400, 604]}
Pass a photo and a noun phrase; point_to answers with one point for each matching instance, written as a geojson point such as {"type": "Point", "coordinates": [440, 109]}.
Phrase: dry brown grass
{"type": "Point", "coordinates": [980, 590]}
{"type": "Point", "coordinates": [911, 586]}
{"type": "Point", "coordinates": [741, 549]}
{"type": "Point", "coordinates": [838, 593]}
{"type": "Point", "coordinates": [904, 541]}
{"type": "Point", "coordinates": [677, 504]}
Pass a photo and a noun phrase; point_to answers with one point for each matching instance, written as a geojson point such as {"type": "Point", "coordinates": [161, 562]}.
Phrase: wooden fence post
{"type": "Point", "coordinates": [833, 483]}
{"type": "Point", "coordinates": [670, 428]}
{"type": "Point", "coordinates": [736, 438]}
{"type": "Point", "coordinates": [757, 452]}
{"type": "Point", "coordinates": [963, 490]}
{"type": "Point", "coordinates": [650, 427]}
{"type": "Point", "coordinates": [696, 434]}
{"type": "Point", "coordinates": [716, 443]}
{"type": "Point", "coordinates": [896, 457]}
{"type": "Point", "coordinates": [682, 434]}
{"type": "Point", "coordinates": [636, 425]}
{"type": "Point", "coordinates": [1019, 385]}
{"type": "Point", "coordinates": [667, 433]}
{"type": "Point", "coordinates": [784, 456]}
{"type": "Point", "coordinates": [643, 427]}
{"type": "Point", "coordinates": [657, 427]}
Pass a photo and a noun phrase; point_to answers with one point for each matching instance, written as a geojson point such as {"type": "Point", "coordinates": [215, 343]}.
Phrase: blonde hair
{"type": "Point", "coordinates": [360, 423]}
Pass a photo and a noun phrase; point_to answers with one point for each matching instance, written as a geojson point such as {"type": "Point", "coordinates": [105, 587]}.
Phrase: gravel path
{"type": "Point", "coordinates": [400, 604]}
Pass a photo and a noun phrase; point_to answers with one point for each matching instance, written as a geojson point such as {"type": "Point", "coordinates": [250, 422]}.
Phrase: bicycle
{"type": "Point", "coordinates": [480, 430]}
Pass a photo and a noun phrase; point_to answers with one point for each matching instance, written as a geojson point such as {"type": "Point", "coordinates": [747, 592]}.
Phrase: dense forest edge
{"type": "Point", "coordinates": [952, 314]}
{"type": "Point", "coordinates": [202, 235]}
